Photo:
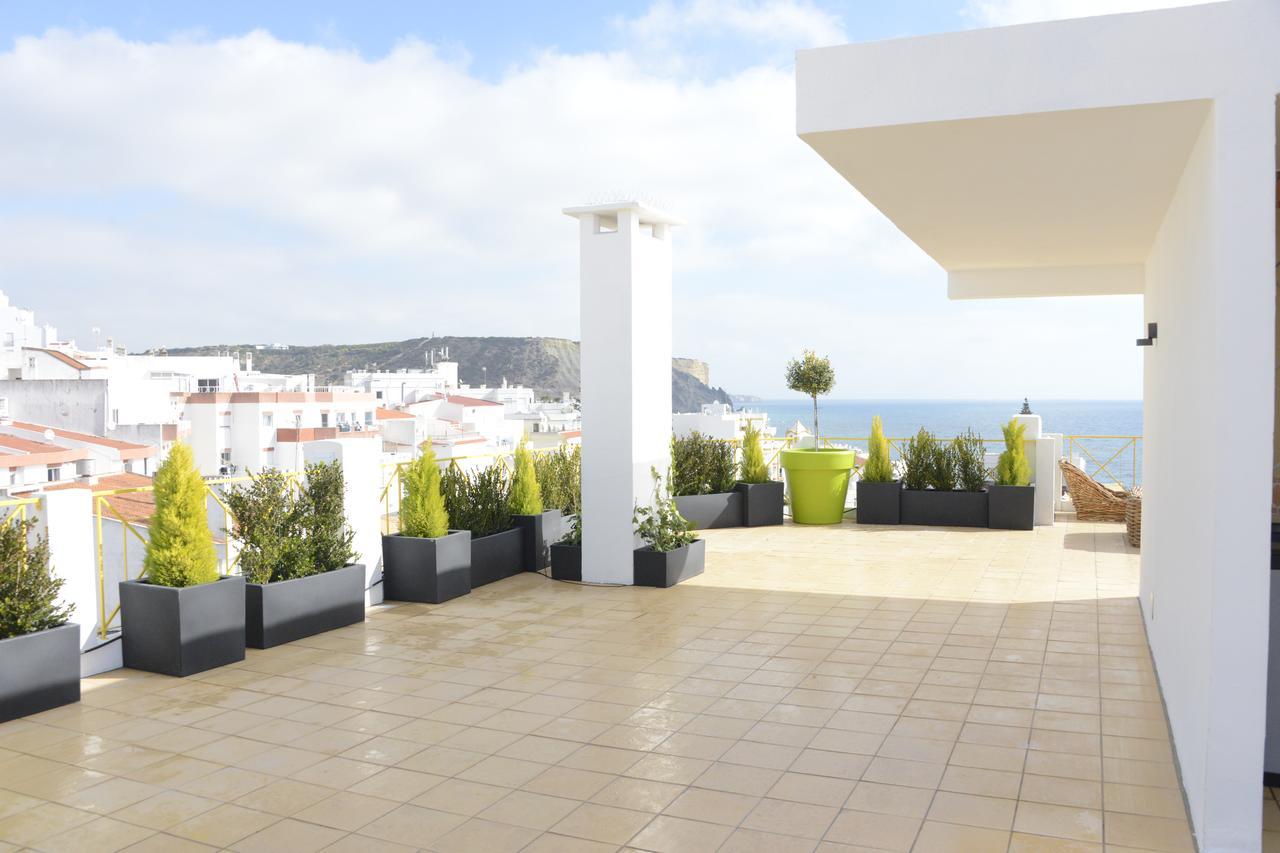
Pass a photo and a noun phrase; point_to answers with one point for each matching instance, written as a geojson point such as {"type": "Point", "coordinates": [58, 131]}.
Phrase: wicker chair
{"type": "Point", "coordinates": [1092, 500]}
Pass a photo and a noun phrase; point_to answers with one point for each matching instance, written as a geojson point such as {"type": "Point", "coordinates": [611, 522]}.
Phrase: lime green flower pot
{"type": "Point", "coordinates": [818, 482]}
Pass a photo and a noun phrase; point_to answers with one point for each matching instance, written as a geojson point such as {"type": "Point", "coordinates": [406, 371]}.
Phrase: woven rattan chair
{"type": "Point", "coordinates": [1092, 500]}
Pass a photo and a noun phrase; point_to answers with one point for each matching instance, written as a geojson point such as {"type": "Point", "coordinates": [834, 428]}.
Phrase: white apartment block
{"type": "Point", "coordinates": [719, 420]}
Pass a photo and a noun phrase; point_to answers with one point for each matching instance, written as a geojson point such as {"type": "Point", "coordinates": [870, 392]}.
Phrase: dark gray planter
{"type": "Point", "coordinates": [39, 671]}
{"type": "Point", "coordinates": [1011, 507]}
{"type": "Point", "coordinates": [284, 611]}
{"type": "Point", "coordinates": [497, 556]}
{"type": "Point", "coordinates": [182, 631]}
{"type": "Point", "coordinates": [943, 509]}
{"type": "Point", "coordinates": [539, 532]}
{"type": "Point", "coordinates": [722, 509]}
{"type": "Point", "coordinates": [668, 568]}
{"type": "Point", "coordinates": [761, 503]}
{"type": "Point", "coordinates": [879, 503]}
{"type": "Point", "coordinates": [566, 562]}
{"type": "Point", "coordinates": [429, 570]}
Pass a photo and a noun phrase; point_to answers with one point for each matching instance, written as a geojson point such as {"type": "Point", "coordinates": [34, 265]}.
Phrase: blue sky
{"type": "Point", "coordinates": [177, 174]}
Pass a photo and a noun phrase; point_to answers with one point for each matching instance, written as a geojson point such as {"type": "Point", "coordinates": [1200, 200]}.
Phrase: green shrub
{"type": "Point", "coordinates": [918, 460]}
{"type": "Point", "coordinates": [479, 501]}
{"type": "Point", "coordinates": [811, 376]}
{"type": "Point", "coordinates": [879, 467]}
{"type": "Point", "coordinates": [559, 474]}
{"type": "Point", "coordinates": [971, 463]}
{"type": "Point", "coordinates": [661, 526]}
{"type": "Point", "coordinates": [28, 588]}
{"type": "Point", "coordinates": [526, 497]}
{"type": "Point", "coordinates": [322, 501]}
{"type": "Point", "coordinates": [943, 468]}
{"type": "Point", "coordinates": [423, 511]}
{"type": "Point", "coordinates": [574, 536]}
{"type": "Point", "coordinates": [701, 465]}
{"type": "Point", "coordinates": [1012, 468]}
{"type": "Point", "coordinates": [180, 550]}
{"type": "Point", "coordinates": [754, 468]}
{"type": "Point", "coordinates": [268, 524]}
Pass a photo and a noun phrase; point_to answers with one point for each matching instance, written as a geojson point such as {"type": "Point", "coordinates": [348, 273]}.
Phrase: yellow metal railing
{"type": "Point", "coordinates": [15, 509]}
{"type": "Point", "coordinates": [1106, 454]}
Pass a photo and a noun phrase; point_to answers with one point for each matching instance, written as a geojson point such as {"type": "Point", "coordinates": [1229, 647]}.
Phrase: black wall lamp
{"type": "Point", "coordinates": [1150, 339]}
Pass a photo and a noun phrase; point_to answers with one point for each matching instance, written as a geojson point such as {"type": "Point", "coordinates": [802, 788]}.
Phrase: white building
{"type": "Point", "coordinates": [397, 387]}
{"type": "Point", "coordinates": [719, 420]}
{"type": "Point", "coordinates": [18, 331]}
{"type": "Point", "coordinates": [1124, 154]}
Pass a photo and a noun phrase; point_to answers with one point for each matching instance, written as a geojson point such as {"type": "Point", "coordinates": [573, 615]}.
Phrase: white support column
{"type": "Point", "coordinates": [361, 471]}
{"type": "Point", "coordinates": [625, 257]}
{"type": "Point", "coordinates": [1043, 463]}
{"type": "Point", "coordinates": [66, 516]}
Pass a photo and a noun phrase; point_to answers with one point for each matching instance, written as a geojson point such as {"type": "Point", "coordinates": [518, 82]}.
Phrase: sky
{"type": "Point", "coordinates": [176, 174]}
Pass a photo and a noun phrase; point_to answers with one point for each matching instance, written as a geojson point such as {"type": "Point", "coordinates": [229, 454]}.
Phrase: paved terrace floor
{"type": "Point", "coordinates": [833, 689]}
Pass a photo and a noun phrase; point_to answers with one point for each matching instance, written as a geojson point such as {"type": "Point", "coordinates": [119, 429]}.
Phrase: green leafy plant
{"type": "Point", "coordinates": [478, 501]}
{"type": "Point", "coordinates": [559, 474]}
{"type": "Point", "coordinates": [268, 524]}
{"type": "Point", "coordinates": [574, 536]}
{"type": "Point", "coordinates": [321, 499]}
{"type": "Point", "coordinates": [180, 551]}
{"type": "Point", "coordinates": [701, 465]}
{"type": "Point", "coordinates": [526, 497]}
{"type": "Point", "coordinates": [943, 468]}
{"type": "Point", "coordinates": [422, 507]}
{"type": "Point", "coordinates": [1012, 468]}
{"type": "Point", "coordinates": [813, 377]}
{"type": "Point", "coordinates": [879, 467]}
{"type": "Point", "coordinates": [28, 588]}
{"type": "Point", "coordinates": [969, 453]}
{"type": "Point", "coordinates": [754, 468]}
{"type": "Point", "coordinates": [918, 460]}
{"type": "Point", "coordinates": [661, 526]}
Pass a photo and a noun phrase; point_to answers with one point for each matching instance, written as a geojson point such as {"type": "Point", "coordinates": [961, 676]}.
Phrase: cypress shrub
{"type": "Point", "coordinates": [879, 468]}
{"type": "Point", "coordinates": [944, 467]}
{"type": "Point", "coordinates": [423, 511]}
{"type": "Point", "coordinates": [1012, 468]}
{"type": "Point", "coordinates": [918, 460]}
{"type": "Point", "coordinates": [180, 551]}
{"type": "Point", "coordinates": [754, 468]}
{"type": "Point", "coordinates": [28, 588]}
{"type": "Point", "coordinates": [526, 496]}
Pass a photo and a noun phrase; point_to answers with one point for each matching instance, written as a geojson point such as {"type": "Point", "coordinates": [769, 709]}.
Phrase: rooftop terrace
{"type": "Point", "coordinates": [842, 688]}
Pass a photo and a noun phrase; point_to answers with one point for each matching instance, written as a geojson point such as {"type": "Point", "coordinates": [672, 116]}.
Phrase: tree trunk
{"type": "Point", "coordinates": [815, 422]}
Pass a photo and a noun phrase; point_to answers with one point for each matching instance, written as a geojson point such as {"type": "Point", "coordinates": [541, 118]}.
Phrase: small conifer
{"type": "Point", "coordinates": [879, 468]}
{"type": "Point", "coordinates": [526, 496]}
{"type": "Point", "coordinates": [422, 510]}
{"type": "Point", "coordinates": [1013, 469]}
{"type": "Point", "coordinates": [180, 551]}
{"type": "Point", "coordinates": [754, 469]}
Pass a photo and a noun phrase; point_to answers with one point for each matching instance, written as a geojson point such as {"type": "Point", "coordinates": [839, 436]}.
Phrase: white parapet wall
{"type": "Point", "coordinates": [362, 479]}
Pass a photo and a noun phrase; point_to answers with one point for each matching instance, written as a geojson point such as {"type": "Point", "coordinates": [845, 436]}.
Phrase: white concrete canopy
{"type": "Point", "coordinates": [1121, 154]}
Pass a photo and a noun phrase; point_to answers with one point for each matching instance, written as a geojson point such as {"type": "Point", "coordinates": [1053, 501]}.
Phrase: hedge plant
{"type": "Point", "coordinates": [180, 550]}
{"type": "Point", "coordinates": [28, 588]}
{"type": "Point", "coordinates": [478, 501]}
{"type": "Point", "coordinates": [1012, 468]}
{"type": "Point", "coordinates": [701, 465]}
{"type": "Point", "coordinates": [559, 474]}
{"type": "Point", "coordinates": [329, 538]}
{"type": "Point", "coordinates": [422, 507]}
{"type": "Point", "coordinates": [969, 453]}
{"type": "Point", "coordinates": [754, 468]}
{"type": "Point", "coordinates": [918, 460]}
{"type": "Point", "coordinates": [268, 523]}
{"type": "Point", "coordinates": [879, 467]}
{"type": "Point", "coordinates": [526, 497]}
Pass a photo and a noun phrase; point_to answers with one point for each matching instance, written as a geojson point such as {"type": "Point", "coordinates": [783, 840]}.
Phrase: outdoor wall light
{"type": "Point", "coordinates": [1150, 339]}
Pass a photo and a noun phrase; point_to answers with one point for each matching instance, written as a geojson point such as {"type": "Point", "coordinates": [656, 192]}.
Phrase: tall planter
{"type": "Point", "coordinates": [879, 503]}
{"type": "Point", "coordinates": [39, 671]}
{"type": "Point", "coordinates": [497, 556]}
{"type": "Point", "coordinates": [818, 482]}
{"type": "Point", "coordinates": [722, 509]}
{"type": "Point", "coordinates": [427, 570]}
{"type": "Point", "coordinates": [668, 568]}
{"type": "Point", "coordinates": [539, 532]}
{"type": "Point", "coordinates": [931, 507]}
{"type": "Point", "coordinates": [566, 562]}
{"type": "Point", "coordinates": [182, 630]}
{"type": "Point", "coordinates": [284, 611]}
{"type": "Point", "coordinates": [1011, 507]}
{"type": "Point", "coordinates": [762, 503]}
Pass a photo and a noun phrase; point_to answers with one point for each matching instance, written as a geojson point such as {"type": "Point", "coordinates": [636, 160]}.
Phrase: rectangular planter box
{"type": "Point", "coordinates": [1011, 507]}
{"type": "Point", "coordinates": [879, 503]}
{"type": "Point", "coordinates": [723, 509]}
{"type": "Point", "coordinates": [39, 671]}
{"type": "Point", "coordinates": [539, 532]}
{"type": "Point", "coordinates": [566, 562]}
{"type": "Point", "coordinates": [497, 556]}
{"type": "Point", "coordinates": [429, 570]}
{"type": "Point", "coordinates": [761, 503]}
{"type": "Point", "coordinates": [182, 631]}
{"type": "Point", "coordinates": [281, 612]}
{"type": "Point", "coordinates": [944, 509]}
{"type": "Point", "coordinates": [668, 568]}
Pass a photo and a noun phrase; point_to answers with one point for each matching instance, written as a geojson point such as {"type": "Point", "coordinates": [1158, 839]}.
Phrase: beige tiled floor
{"type": "Point", "coordinates": [831, 689]}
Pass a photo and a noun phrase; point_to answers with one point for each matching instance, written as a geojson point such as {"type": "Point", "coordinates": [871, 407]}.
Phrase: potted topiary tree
{"type": "Point", "coordinates": [1012, 498]}
{"type": "Point", "coordinates": [296, 555]}
{"type": "Point", "coordinates": [762, 497]}
{"type": "Point", "coordinates": [703, 475]}
{"type": "Point", "coordinates": [426, 560]}
{"type": "Point", "coordinates": [528, 512]}
{"type": "Point", "coordinates": [481, 503]}
{"type": "Point", "coordinates": [672, 552]}
{"type": "Point", "coordinates": [879, 492]}
{"type": "Point", "coordinates": [817, 477]}
{"type": "Point", "coordinates": [566, 555]}
{"type": "Point", "coordinates": [181, 617]}
{"type": "Point", "coordinates": [944, 483]}
{"type": "Point", "coordinates": [39, 648]}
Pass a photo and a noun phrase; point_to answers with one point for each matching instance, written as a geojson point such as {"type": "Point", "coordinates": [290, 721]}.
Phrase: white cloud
{"type": "Point", "coordinates": [790, 23]}
{"type": "Point", "coordinates": [997, 13]}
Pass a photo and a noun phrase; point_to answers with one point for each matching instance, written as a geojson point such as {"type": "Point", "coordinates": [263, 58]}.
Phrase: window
{"type": "Point", "coordinates": [342, 417]}
{"type": "Point", "coordinates": [31, 362]}
{"type": "Point", "coordinates": [379, 394]}
{"type": "Point", "coordinates": [207, 386]}
{"type": "Point", "coordinates": [368, 418]}
{"type": "Point", "coordinates": [324, 419]}
{"type": "Point", "coordinates": [266, 419]}
{"type": "Point", "coordinates": [9, 340]}
{"type": "Point", "coordinates": [55, 473]}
